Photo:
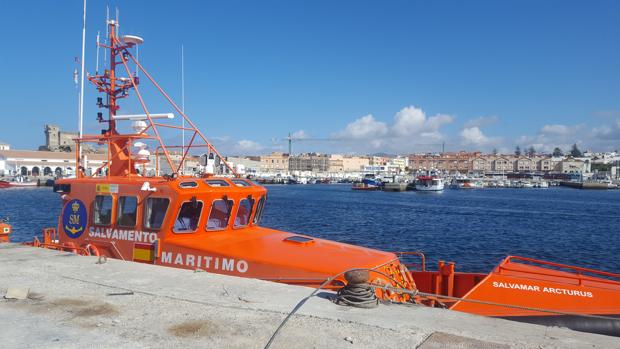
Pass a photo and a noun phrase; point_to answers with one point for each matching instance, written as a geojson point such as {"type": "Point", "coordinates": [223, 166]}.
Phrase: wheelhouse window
{"type": "Point", "coordinates": [127, 211]}
{"type": "Point", "coordinates": [241, 182]}
{"type": "Point", "coordinates": [217, 183]}
{"type": "Point", "coordinates": [155, 212]}
{"type": "Point", "coordinates": [219, 215]}
{"type": "Point", "coordinates": [244, 212]}
{"type": "Point", "coordinates": [188, 218]}
{"type": "Point", "coordinates": [259, 210]}
{"type": "Point", "coordinates": [102, 214]}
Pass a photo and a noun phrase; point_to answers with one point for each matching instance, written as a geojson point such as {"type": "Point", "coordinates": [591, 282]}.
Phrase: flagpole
{"type": "Point", "coordinates": [81, 121]}
{"type": "Point", "coordinates": [183, 104]}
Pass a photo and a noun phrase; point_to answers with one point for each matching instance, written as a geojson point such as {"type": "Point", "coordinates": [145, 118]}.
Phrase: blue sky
{"type": "Point", "coordinates": [375, 76]}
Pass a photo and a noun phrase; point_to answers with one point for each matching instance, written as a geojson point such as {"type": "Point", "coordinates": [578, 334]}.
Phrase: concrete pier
{"type": "Point", "coordinates": [74, 302]}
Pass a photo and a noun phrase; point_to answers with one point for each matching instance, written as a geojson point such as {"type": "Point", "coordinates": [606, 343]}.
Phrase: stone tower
{"type": "Point", "coordinates": [52, 137]}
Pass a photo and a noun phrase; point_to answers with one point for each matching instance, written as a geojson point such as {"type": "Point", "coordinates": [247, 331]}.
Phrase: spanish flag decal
{"type": "Point", "coordinates": [144, 253]}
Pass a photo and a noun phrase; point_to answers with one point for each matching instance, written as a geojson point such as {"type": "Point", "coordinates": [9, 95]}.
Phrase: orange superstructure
{"type": "Point", "coordinates": [211, 221]}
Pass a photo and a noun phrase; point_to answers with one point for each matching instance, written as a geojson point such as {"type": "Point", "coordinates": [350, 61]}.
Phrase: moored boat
{"type": "Point", "coordinates": [19, 182]}
{"type": "Point", "coordinates": [465, 183]}
{"type": "Point", "coordinates": [429, 183]}
{"type": "Point", "coordinates": [212, 221]}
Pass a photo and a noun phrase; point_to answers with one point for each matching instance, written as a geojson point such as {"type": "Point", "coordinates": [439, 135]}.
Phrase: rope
{"type": "Point", "coordinates": [357, 295]}
{"type": "Point", "coordinates": [316, 290]}
{"type": "Point", "coordinates": [414, 293]}
{"type": "Point", "coordinates": [520, 307]}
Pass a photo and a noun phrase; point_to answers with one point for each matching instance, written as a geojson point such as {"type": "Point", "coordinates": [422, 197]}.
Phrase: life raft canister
{"type": "Point", "coordinates": [5, 231]}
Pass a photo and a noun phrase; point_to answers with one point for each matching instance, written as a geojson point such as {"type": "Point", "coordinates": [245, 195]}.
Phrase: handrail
{"type": "Point", "coordinates": [413, 253]}
{"type": "Point", "coordinates": [579, 276]}
{"type": "Point", "coordinates": [559, 265]}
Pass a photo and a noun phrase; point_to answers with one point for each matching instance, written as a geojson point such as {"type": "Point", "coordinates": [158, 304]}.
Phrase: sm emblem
{"type": "Point", "coordinates": [74, 218]}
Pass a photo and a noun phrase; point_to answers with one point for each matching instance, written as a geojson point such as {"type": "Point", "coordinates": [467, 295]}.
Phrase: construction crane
{"type": "Point", "coordinates": [292, 139]}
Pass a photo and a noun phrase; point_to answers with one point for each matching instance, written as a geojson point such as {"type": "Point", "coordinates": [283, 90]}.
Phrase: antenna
{"type": "Point", "coordinates": [97, 64]}
{"type": "Point", "coordinates": [183, 101]}
{"type": "Point", "coordinates": [137, 59]}
{"type": "Point", "coordinates": [82, 79]}
{"type": "Point", "coordinates": [118, 24]}
{"type": "Point", "coordinates": [107, 19]}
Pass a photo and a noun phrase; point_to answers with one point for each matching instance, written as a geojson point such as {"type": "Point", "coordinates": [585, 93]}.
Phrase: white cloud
{"type": "Point", "coordinates": [608, 132]}
{"type": "Point", "coordinates": [411, 121]}
{"type": "Point", "coordinates": [301, 134]}
{"type": "Point", "coordinates": [364, 128]}
{"type": "Point", "coordinates": [560, 130]}
{"type": "Point", "coordinates": [410, 129]}
{"type": "Point", "coordinates": [245, 145]}
{"type": "Point", "coordinates": [481, 121]}
{"type": "Point", "coordinates": [474, 136]}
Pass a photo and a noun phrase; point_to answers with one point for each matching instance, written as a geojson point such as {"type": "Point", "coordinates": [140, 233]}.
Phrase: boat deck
{"type": "Point", "coordinates": [76, 303]}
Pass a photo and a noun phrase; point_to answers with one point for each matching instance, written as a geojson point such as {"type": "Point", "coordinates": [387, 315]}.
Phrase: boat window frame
{"type": "Point", "coordinates": [144, 215]}
{"type": "Point", "coordinates": [217, 183]}
{"type": "Point", "coordinates": [249, 221]}
{"type": "Point", "coordinates": [227, 219]}
{"type": "Point", "coordinates": [179, 212]}
{"type": "Point", "coordinates": [118, 211]}
{"type": "Point", "coordinates": [188, 185]}
{"type": "Point", "coordinates": [241, 183]}
{"type": "Point", "coordinates": [258, 212]}
{"type": "Point", "coordinates": [111, 211]}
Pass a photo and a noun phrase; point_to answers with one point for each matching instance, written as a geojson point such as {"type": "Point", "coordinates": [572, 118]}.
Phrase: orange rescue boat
{"type": "Point", "coordinates": [211, 221]}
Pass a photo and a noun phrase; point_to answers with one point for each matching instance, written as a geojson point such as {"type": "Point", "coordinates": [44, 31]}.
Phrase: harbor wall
{"type": "Point", "coordinates": [78, 302]}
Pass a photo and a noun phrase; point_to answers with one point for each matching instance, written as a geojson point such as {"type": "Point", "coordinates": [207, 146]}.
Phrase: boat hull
{"type": "Point", "coordinates": [546, 293]}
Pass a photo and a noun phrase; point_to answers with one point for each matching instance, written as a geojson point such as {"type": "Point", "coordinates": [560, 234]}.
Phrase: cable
{"type": "Point", "coordinates": [325, 283]}
{"type": "Point", "coordinates": [414, 293]}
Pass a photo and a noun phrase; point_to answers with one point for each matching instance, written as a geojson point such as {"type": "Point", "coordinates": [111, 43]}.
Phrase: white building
{"type": "Point", "coordinates": [44, 163]}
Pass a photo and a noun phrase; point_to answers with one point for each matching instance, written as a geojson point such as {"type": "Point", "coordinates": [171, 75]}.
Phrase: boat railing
{"type": "Point", "coordinates": [50, 241]}
{"type": "Point", "coordinates": [576, 273]}
{"type": "Point", "coordinates": [406, 256]}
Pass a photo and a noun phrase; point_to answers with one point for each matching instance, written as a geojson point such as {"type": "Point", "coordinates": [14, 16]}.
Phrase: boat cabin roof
{"type": "Point", "coordinates": [171, 206]}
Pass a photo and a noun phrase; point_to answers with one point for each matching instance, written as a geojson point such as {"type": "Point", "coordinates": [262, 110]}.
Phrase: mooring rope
{"type": "Point", "coordinates": [414, 293]}
{"type": "Point", "coordinates": [357, 295]}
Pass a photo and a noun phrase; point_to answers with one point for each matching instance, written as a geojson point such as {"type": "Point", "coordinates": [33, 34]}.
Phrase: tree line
{"type": "Point", "coordinates": [574, 151]}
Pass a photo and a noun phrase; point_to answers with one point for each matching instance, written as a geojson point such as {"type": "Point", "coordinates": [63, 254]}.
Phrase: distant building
{"type": "Point", "coordinates": [354, 163]}
{"type": "Point", "coordinates": [574, 166]}
{"type": "Point", "coordinates": [312, 162]}
{"type": "Point", "coordinates": [546, 164]}
{"type": "Point", "coordinates": [524, 164]}
{"type": "Point", "coordinates": [336, 163]}
{"type": "Point", "coordinates": [275, 162]}
{"type": "Point", "coordinates": [244, 165]}
{"type": "Point", "coordinates": [446, 162]}
{"type": "Point", "coordinates": [57, 140]}
{"type": "Point", "coordinates": [4, 146]}
{"type": "Point", "coordinates": [44, 163]}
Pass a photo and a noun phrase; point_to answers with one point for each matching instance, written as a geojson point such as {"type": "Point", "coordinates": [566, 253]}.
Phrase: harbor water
{"type": "Point", "coordinates": [474, 228]}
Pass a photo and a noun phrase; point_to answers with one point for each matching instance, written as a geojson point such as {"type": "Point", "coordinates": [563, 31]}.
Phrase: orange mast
{"type": "Point", "coordinates": [120, 156]}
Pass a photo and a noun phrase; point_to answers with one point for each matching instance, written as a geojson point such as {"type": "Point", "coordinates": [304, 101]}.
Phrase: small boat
{"type": "Point", "coordinates": [465, 183]}
{"type": "Point", "coordinates": [541, 184]}
{"type": "Point", "coordinates": [365, 186]}
{"type": "Point", "coordinates": [5, 230]}
{"type": "Point", "coordinates": [369, 183]}
{"type": "Point", "coordinates": [429, 183]}
{"type": "Point", "coordinates": [19, 182]}
{"type": "Point", "coordinates": [527, 184]}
